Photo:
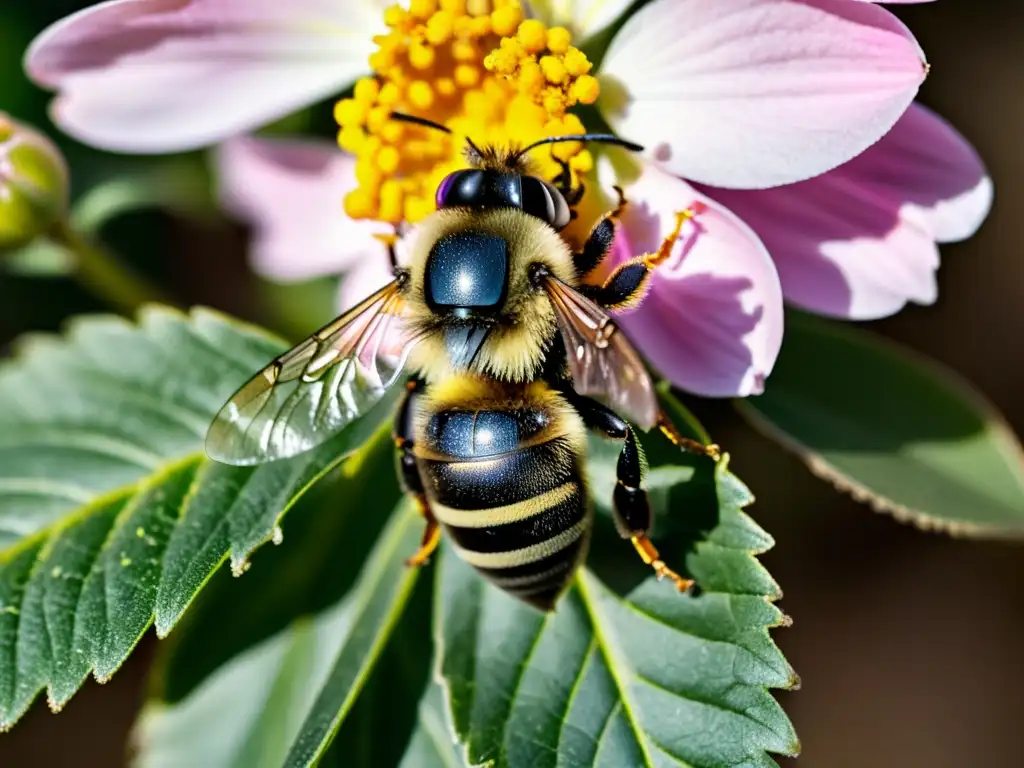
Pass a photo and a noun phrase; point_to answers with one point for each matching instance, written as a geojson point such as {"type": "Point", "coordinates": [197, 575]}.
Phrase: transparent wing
{"type": "Point", "coordinates": [603, 362]}
{"type": "Point", "coordinates": [313, 391]}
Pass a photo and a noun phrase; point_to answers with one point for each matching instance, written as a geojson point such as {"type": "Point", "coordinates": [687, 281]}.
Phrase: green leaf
{"type": "Point", "coordinates": [433, 745]}
{"type": "Point", "coordinates": [380, 725]}
{"type": "Point", "coordinates": [380, 600]}
{"type": "Point", "coordinates": [110, 515]}
{"type": "Point", "coordinates": [653, 678]}
{"type": "Point", "coordinates": [40, 259]}
{"type": "Point", "coordinates": [177, 184]}
{"type": "Point", "coordinates": [247, 712]}
{"type": "Point", "coordinates": [251, 711]}
{"type": "Point", "coordinates": [896, 430]}
{"type": "Point", "coordinates": [330, 531]}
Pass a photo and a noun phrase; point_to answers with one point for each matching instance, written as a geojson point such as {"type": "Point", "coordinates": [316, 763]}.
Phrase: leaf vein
{"type": "Point", "coordinates": [75, 437]}
{"type": "Point", "coordinates": [16, 677]}
{"type": "Point", "coordinates": [613, 666]}
{"type": "Point", "coordinates": [437, 732]}
{"type": "Point", "coordinates": [689, 696]}
{"type": "Point", "coordinates": [519, 680]}
{"type": "Point", "coordinates": [40, 487]}
{"type": "Point", "coordinates": [576, 685]}
{"type": "Point", "coordinates": [607, 723]}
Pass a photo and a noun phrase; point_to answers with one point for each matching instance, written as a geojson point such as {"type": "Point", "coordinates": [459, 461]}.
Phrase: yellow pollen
{"type": "Point", "coordinates": [533, 36]}
{"type": "Point", "coordinates": [479, 67]}
{"type": "Point", "coordinates": [505, 20]}
{"type": "Point", "coordinates": [421, 56]}
{"type": "Point", "coordinates": [421, 95]}
{"type": "Point", "coordinates": [553, 69]}
{"type": "Point", "coordinates": [586, 89]}
{"type": "Point", "coordinates": [422, 9]}
{"type": "Point", "coordinates": [366, 90]}
{"type": "Point", "coordinates": [559, 40]}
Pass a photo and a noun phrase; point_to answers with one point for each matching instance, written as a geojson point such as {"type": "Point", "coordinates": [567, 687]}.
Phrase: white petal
{"type": "Point", "coordinates": [166, 75]}
{"type": "Point", "coordinates": [756, 93]}
{"type": "Point", "coordinates": [583, 17]}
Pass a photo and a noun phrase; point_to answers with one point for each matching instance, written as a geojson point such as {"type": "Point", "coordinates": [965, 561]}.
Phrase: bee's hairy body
{"type": "Point", "coordinates": [503, 472]}
{"type": "Point", "coordinates": [508, 341]}
{"type": "Point", "coordinates": [499, 451]}
{"type": "Point", "coordinates": [522, 334]}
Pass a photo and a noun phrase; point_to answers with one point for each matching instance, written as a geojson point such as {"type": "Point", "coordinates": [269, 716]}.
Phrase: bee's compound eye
{"type": "Point", "coordinates": [561, 217]}
{"type": "Point", "coordinates": [544, 201]}
{"type": "Point", "coordinates": [459, 188]}
{"type": "Point", "coordinates": [444, 189]}
{"type": "Point", "coordinates": [466, 270]}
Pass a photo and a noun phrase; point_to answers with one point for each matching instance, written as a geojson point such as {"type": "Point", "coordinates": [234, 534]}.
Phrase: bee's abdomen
{"type": "Point", "coordinates": [520, 516]}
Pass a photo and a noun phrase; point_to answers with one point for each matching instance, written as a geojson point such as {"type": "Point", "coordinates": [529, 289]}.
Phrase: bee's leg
{"type": "Point", "coordinates": [431, 537]}
{"type": "Point", "coordinates": [599, 243]}
{"type": "Point", "coordinates": [630, 508]}
{"type": "Point", "coordinates": [627, 285]}
{"type": "Point", "coordinates": [409, 474]}
{"type": "Point", "coordinates": [668, 429]}
{"type": "Point", "coordinates": [632, 512]}
{"type": "Point", "coordinates": [563, 182]}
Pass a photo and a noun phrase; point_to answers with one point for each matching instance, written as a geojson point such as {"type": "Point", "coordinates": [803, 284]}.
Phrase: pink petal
{"type": "Point", "coordinates": [364, 277]}
{"type": "Point", "coordinates": [859, 242]}
{"type": "Point", "coordinates": [756, 93]}
{"type": "Point", "coordinates": [712, 321]}
{"type": "Point", "coordinates": [291, 192]}
{"type": "Point", "coordinates": [168, 75]}
{"type": "Point", "coordinates": [936, 171]}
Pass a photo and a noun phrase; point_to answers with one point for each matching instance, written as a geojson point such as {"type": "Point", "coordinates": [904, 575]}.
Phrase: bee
{"type": "Point", "coordinates": [513, 358]}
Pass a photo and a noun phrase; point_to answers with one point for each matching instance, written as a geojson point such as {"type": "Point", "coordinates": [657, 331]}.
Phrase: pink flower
{"type": "Point", "coordinates": [291, 191]}
{"type": "Point", "coordinates": [860, 241]}
{"type": "Point", "coordinates": [169, 75]}
{"type": "Point", "coordinates": [778, 112]}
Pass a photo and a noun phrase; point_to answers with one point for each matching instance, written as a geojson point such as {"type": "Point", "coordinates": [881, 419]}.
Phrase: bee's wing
{"type": "Point", "coordinates": [603, 362]}
{"type": "Point", "coordinates": [313, 391]}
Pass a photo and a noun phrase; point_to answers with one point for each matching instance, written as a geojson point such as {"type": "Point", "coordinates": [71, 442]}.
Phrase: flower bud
{"type": "Point", "coordinates": [33, 184]}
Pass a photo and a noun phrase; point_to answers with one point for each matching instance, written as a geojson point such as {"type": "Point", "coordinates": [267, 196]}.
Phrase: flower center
{"type": "Point", "coordinates": [475, 66]}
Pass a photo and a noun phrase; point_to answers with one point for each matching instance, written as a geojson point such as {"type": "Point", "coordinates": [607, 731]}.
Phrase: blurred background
{"type": "Point", "coordinates": [908, 643]}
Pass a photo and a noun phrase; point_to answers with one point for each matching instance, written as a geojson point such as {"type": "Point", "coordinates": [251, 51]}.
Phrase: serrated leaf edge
{"type": "Point", "coordinates": [21, 351]}
{"type": "Point", "coordinates": [783, 620]}
{"type": "Point", "coordinates": [860, 493]}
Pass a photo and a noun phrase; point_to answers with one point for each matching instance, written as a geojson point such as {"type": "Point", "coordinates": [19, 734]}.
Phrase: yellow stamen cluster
{"type": "Point", "coordinates": [465, 64]}
{"type": "Point", "coordinates": [545, 67]}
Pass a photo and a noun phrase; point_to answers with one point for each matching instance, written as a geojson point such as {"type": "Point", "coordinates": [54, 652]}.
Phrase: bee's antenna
{"type": "Point", "coordinates": [402, 117]}
{"type": "Point", "coordinates": [604, 138]}
{"type": "Point", "coordinates": [474, 152]}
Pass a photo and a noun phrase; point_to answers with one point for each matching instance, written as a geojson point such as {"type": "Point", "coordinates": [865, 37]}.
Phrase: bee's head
{"type": "Point", "coordinates": [484, 188]}
{"type": "Point", "coordinates": [501, 178]}
{"type": "Point", "coordinates": [472, 295]}
{"type": "Point", "coordinates": [473, 298]}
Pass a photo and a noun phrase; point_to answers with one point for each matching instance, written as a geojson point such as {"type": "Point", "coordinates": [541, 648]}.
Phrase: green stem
{"type": "Point", "coordinates": [102, 273]}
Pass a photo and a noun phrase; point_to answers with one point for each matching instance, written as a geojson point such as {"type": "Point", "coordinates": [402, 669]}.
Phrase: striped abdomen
{"type": "Point", "coordinates": [508, 488]}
